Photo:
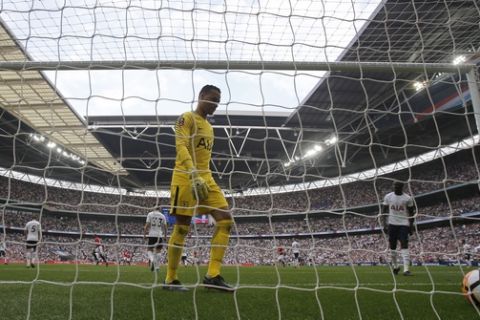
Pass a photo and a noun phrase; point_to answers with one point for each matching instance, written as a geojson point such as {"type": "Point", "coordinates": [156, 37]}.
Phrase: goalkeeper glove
{"type": "Point", "coordinates": [200, 188]}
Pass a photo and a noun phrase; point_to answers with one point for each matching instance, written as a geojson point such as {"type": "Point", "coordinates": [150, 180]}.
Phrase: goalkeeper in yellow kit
{"type": "Point", "coordinates": [193, 191]}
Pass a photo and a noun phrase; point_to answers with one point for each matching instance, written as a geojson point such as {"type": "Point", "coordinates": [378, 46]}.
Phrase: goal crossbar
{"type": "Point", "coordinates": [345, 66]}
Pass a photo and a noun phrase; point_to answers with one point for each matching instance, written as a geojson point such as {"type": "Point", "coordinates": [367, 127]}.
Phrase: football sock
{"type": "Point", "coordinates": [218, 246]}
{"type": "Point", "coordinates": [394, 258]}
{"type": "Point", "coordinates": [175, 248]}
{"type": "Point", "coordinates": [406, 259]}
{"type": "Point", "coordinates": [157, 260]}
{"type": "Point", "coordinates": [28, 255]}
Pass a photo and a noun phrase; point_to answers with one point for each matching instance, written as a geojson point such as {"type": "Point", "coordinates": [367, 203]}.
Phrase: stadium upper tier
{"type": "Point", "coordinates": [370, 114]}
{"type": "Point", "coordinates": [454, 170]}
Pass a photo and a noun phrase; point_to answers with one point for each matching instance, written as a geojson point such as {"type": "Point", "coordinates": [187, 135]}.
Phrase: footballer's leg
{"type": "Point", "coordinates": [183, 213]}
{"type": "Point", "coordinates": [95, 256]}
{"type": "Point", "coordinates": [28, 257]}
{"type": "Point", "coordinates": [405, 251]}
{"type": "Point", "coordinates": [392, 239]}
{"type": "Point", "coordinates": [174, 252]}
{"type": "Point", "coordinates": [150, 260]}
{"type": "Point", "coordinates": [219, 243]}
{"type": "Point", "coordinates": [158, 256]}
{"type": "Point", "coordinates": [35, 259]}
{"type": "Point", "coordinates": [29, 254]}
{"type": "Point", "coordinates": [150, 254]}
{"type": "Point", "coordinates": [104, 258]}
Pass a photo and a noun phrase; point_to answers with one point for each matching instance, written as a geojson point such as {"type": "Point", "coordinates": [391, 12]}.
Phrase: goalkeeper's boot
{"type": "Point", "coordinates": [396, 270]}
{"type": "Point", "coordinates": [217, 283]}
{"type": "Point", "coordinates": [175, 285]}
{"type": "Point", "coordinates": [407, 273]}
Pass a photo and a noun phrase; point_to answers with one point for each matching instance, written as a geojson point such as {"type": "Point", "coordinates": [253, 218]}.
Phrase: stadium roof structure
{"type": "Point", "coordinates": [358, 119]}
{"type": "Point", "coordinates": [35, 106]}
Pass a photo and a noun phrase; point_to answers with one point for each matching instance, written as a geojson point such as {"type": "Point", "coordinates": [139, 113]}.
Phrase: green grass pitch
{"type": "Point", "coordinates": [133, 292]}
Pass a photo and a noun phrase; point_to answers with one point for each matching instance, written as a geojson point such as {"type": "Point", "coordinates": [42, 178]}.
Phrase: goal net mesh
{"type": "Point", "coordinates": [324, 105]}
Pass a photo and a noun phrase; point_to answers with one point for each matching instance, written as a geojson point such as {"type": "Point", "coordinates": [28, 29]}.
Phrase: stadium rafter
{"type": "Point", "coordinates": [353, 100]}
{"type": "Point", "coordinates": [29, 96]}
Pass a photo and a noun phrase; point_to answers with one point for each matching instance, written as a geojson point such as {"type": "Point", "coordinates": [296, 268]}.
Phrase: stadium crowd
{"type": "Point", "coordinates": [109, 224]}
{"type": "Point", "coordinates": [437, 245]}
{"type": "Point", "coordinates": [335, 248]}
{"type": "Point", "coordinates": [359, 193]}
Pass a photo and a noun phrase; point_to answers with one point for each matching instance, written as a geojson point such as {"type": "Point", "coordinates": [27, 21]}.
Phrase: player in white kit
{"type": "Point", "coordinates": [33, 234]}
{"type": "Point", "coordinates": [467, 252]}
{"type": "Point", "coordinates": [399, 209]}
{"type": "Point", "coordinates": [3, 252]}
{"type": "Point", "coordinates": [296, 253]}
{"type": "Point", "coordinates": [156, 229]}
{"type": "Point", "coordinates": [184, 257]}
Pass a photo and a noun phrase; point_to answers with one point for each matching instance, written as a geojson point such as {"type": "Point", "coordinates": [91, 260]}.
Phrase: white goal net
{"type": "Point", "coordinates": [324, 105]}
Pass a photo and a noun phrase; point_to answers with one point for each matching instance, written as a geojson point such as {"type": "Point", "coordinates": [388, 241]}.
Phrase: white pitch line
{"type": "Point", "coordinates": [270, 285]}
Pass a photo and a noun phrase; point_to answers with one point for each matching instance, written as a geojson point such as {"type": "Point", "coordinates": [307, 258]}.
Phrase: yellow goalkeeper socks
{"type": "Point", "coordinates": [175, 248]}
{"type": "Point", "coordinates": [218, 246]}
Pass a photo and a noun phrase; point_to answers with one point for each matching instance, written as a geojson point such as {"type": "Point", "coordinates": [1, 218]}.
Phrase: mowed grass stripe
{"type": "Point", "coordinates": [131, 292]}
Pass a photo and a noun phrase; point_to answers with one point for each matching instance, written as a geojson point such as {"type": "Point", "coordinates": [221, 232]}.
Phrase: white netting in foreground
{"type": "Point", "coordinates": [324, 105]}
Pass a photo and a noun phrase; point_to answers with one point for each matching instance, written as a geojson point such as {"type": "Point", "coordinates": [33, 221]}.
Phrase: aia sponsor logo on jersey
{"type": "Point", "coordinates": [205, 144]}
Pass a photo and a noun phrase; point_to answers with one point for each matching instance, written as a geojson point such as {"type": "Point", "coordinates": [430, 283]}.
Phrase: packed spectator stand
{"type": "Point", "coordinates": [334, 225]}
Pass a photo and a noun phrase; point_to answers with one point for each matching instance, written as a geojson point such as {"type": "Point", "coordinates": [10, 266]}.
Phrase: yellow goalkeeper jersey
{"type": "Point", "coordinates": [194, 143]}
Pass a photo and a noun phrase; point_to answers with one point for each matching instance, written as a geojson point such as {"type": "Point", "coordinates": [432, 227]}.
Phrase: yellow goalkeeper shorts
{"type": "Point", "coordinates": [183, 203]}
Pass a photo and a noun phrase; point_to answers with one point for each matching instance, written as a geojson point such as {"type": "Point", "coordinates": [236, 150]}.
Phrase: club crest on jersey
{"type": "Point", "coordinates": [180, 121]}
{"type": "Point", "coordinates": [204, 143]}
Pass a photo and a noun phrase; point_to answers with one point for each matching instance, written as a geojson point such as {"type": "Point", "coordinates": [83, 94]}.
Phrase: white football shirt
{"type": "Point", "coordinates": [33, 230]}
{"type": "Point", "coordinates": [295, 247]}
{"type": "Point", "coordinates": [156, 220]}
{"type": "Point", "coordinates": [398, 208]}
